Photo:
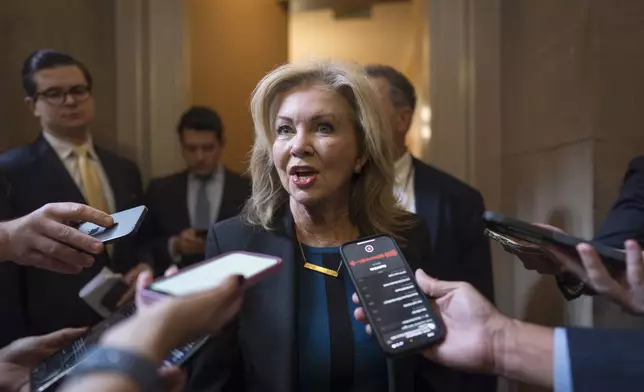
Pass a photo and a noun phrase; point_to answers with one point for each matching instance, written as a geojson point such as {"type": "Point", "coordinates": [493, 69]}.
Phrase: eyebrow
{"type": "Point", "coordinates": [317, 117]}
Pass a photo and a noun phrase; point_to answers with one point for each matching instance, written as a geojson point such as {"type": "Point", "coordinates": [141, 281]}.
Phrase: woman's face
{"type": "Point", "coordinates": [315, 150]}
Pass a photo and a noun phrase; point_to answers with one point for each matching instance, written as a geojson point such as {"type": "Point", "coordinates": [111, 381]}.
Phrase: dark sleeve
{"type": "Point", "coordinates": [217, 367]}
{"type": "Point", "coordinates": [11, 298]}
{"type": "Point", "coordinates": [606, 360]}
{"type": "Point", "coordinates": [157, 243]}
{"type": "Point", "coordinates": [626, 219]}
{"type": "Point", "coordinates": [476, 260]}
{"type": "Point", "coordinates": [13, 325]}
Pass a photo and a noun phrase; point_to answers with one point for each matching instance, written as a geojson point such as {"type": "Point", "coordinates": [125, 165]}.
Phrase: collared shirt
{"type": "Point", "coordinates": [404, 187]}
{"type": "Point", "coordinates": [65, 151]}
{"type": "Point", "coordinates": [561, 364]}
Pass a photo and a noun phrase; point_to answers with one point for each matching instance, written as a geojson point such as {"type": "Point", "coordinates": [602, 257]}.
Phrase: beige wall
{"type": "Point", "coordinates": [393, 34]}
{"type": "Point", "coordinates": [571, 118]}
{"type": "Point", "coordinates": [233, 44]}
{"type": "Point", "coordinates": [83, 29]}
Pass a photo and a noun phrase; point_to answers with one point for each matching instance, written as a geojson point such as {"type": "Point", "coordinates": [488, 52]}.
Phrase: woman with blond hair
{"type": "Point", "coordinates": [322, 175]}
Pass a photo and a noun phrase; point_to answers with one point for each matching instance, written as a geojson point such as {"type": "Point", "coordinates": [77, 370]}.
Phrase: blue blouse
{"type": "Point", "coordinates": [314, 350]}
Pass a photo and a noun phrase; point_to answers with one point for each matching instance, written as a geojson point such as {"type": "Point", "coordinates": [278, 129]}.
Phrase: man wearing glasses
{"type": "Point", "coordinates": [62, 165]}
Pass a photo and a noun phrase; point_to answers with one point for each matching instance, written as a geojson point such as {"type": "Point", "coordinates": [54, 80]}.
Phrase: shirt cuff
{"type": "Point", "coordinates": [561, 362]}
{"type": "Point", "coordinates": [174, 256]}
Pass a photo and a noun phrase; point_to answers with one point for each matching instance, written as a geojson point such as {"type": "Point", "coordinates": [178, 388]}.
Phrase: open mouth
{"type": "Point", "coordinates": [303, 176]}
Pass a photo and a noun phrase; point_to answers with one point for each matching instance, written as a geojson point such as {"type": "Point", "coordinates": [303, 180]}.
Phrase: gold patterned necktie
{"type": "Point", "coordinates": [91, 180]}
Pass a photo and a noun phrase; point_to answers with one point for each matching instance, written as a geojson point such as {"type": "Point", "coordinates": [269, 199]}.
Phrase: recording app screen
{"type": "Point", "coordinates": [395, 305]}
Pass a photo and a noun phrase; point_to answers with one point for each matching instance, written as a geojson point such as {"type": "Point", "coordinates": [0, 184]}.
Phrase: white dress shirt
{"type": "Point", "coordinates": [65, 151]}
{"type": "Point", "coordinates": [404, 187]}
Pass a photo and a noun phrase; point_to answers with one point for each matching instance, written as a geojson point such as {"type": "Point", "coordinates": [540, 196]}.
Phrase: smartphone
{"type": "Point", "coordinates": [49, 374]}
{"type": "Point", "coordinates": [210, 273]}
{"type": "Point", "coordinates": [537, 235]}
{"type": "Point", "coordinates": [401, 316]}
{"type": "Point", "coordinates": [126, 223]}
{"type": "Point", "coordinates": [514, 245]}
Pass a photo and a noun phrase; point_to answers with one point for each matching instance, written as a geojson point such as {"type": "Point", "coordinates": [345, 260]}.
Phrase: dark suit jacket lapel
{"type": "Point", "coordinates": [427, 200]}
{"type": "Point", "coordinates": [55, 175]}
{"type": "Point", "coordinates": [275, 299]}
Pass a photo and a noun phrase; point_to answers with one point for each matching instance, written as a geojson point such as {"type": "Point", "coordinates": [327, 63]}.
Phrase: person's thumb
{"type": "Point", "coordinates": [433, 287]}
{"type": "Point", "coordinates": [143, 280]}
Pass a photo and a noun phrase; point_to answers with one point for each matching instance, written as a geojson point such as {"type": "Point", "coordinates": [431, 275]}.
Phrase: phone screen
{"type": "Point", "coordinates": [210, 274]}
{"type": "Point", "coordinates": [399, 313]}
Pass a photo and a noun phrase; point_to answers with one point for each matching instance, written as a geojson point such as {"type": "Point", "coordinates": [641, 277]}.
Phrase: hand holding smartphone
{"type": "Point", "coordinates": [401, 316]}
{"type": "Point", "coordinates": [126, 223]}
{"type": "Point", "coordinates": [537, 236]}
{"type": "Point", "coordinates": [210, 273]}
{"type": "Point", "coordinates": [203, 276]}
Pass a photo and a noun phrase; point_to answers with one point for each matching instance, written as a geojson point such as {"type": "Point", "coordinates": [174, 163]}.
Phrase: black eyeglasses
{"type": "Point", "coordinates": [57, 96]}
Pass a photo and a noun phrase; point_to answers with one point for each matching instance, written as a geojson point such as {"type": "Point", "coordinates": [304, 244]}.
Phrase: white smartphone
{"type": "Point", "coordinates": [210, 273]}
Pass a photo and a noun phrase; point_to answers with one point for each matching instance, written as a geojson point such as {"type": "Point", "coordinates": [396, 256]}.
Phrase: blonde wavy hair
{"type": "Point", "coordinates": [373, 207]}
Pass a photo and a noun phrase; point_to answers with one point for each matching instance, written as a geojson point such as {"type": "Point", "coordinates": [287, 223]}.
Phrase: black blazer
{"type": "Point", "coordinates": [166, 199]}
{"type": "Point", "coordinates": [606, 360]}
{"type": "Point", "coordinates": [453, 213]}
{"type": "Point", "coordinates": [34, 301]}
{"type": "Point", "coordinates": [259, 351]}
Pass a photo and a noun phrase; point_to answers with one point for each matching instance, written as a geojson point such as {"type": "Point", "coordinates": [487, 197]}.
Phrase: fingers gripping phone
{"type": "Point", "coordinates": [401, 316]}
{"type": "Point", "coordinates": [126, 222]}
{"type": "Point", "coordinates": [210, 273]}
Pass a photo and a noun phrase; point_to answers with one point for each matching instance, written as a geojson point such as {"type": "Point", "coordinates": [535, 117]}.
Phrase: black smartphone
{"type": "Point", "coordinates": [126, 223]}
{"type": "Point", "coordinates": [514, 245]}
{"type": "Point", "coordinates": [401, 316]}
{"type": "Point", "coordinates": [537, 235]}
{"type": "Point", "coordinates": [49, 374]}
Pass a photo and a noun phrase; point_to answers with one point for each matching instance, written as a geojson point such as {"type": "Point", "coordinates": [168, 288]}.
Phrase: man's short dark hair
{"type": "Point", "coordinates": [48, 59]}
{"type": "Point", "coordinates": [401, 91]}
{"type": "Point", "coordinates": [201, 118]}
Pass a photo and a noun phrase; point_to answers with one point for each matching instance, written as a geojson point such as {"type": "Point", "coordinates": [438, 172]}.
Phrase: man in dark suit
{"type": "Point", "coordinates": [451, 209]}
{"type": "Point", "coordinates": [62, 165]}
{"type": "Point", "coordinates": [184, 205]}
